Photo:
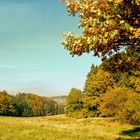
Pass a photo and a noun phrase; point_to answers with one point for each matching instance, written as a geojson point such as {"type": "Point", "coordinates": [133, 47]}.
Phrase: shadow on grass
{"type": "Point", "coordinates": [133, 134]}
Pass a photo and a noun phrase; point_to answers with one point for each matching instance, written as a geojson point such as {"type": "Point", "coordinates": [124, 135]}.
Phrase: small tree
{"type": "Point", "coordinates": [73, 102]}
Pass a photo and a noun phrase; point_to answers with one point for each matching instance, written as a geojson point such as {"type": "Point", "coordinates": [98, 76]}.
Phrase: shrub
{"type": "Point", "coordinates": [121, 103]}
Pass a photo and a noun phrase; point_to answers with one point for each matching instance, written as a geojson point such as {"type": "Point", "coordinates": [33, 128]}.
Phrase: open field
{"type": "Point", "coordinates": [63, 128]}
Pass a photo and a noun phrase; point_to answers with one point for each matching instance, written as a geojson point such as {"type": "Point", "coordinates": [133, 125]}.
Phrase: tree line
{"type": "Point", "coordinates": [111, 90]}
{"type": "Point", "coordinates": [27, 105]}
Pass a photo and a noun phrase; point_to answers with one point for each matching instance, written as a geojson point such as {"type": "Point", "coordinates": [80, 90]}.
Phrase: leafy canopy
{"type": "Point", "coordinates": [108, 25]}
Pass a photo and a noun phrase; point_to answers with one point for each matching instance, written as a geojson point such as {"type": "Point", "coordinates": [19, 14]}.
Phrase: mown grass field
{"type": "Point", "coordinates": [63, 128]}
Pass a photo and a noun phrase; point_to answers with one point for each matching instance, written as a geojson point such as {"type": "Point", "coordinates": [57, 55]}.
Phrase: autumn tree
{"type": "Point", "coordinates": [52, 108]}
{"type": "Point", "coordinates": [121, 103]}
{"type": "Point", "coordinates": [6, 104]}
{"type": "Point", "coordinates": [73, 103]}
{"type": "Point", "coordinates": [125, 68]}
{"type": "Point", "coordinates": [108, 26]}
{"type": "Point", "coordinates": [125, 61]}
{"type": "Point", "coordinates": [98, 82]}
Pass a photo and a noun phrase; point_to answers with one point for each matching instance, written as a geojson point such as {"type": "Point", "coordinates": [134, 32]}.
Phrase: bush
{"type": "Point", "coordinates": [121, 103]}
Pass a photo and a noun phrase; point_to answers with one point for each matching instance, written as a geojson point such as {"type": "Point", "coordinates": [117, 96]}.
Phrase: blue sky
{"type": "Point", "coordinates": [32, 58]}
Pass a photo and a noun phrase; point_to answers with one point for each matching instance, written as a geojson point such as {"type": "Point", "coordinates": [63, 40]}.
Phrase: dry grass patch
{"type": "Point", "coordinates": [62, 128]}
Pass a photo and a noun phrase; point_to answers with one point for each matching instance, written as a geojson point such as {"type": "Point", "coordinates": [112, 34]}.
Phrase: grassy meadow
{"type": "Point", "coordinates": [64, 128]}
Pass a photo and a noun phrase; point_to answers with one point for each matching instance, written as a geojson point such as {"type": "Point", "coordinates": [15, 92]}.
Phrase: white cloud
{"type": "Point", "coordinates": [7, 66]}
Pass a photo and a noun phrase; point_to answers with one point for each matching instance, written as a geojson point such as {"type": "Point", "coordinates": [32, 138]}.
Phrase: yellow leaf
{"type": "Point", "coordinates": [117, 1]}
{"type": "Point", "coordinates": [137, 33]}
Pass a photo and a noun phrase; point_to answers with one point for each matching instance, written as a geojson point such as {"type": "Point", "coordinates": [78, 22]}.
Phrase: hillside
{"type": "Point", "coordinates": [59, 99]}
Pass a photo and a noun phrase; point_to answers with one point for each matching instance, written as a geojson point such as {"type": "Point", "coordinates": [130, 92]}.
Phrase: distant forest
{"type": "Point", "coordinates": [28, 105]}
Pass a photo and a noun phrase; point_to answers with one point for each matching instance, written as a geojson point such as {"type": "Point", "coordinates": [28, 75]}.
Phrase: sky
{"type": "Point", "coordinates": [32, 58]}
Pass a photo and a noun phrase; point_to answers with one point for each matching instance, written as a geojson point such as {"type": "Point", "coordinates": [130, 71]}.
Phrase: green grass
{"type": "Point", "coordinates": [64, 128]}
